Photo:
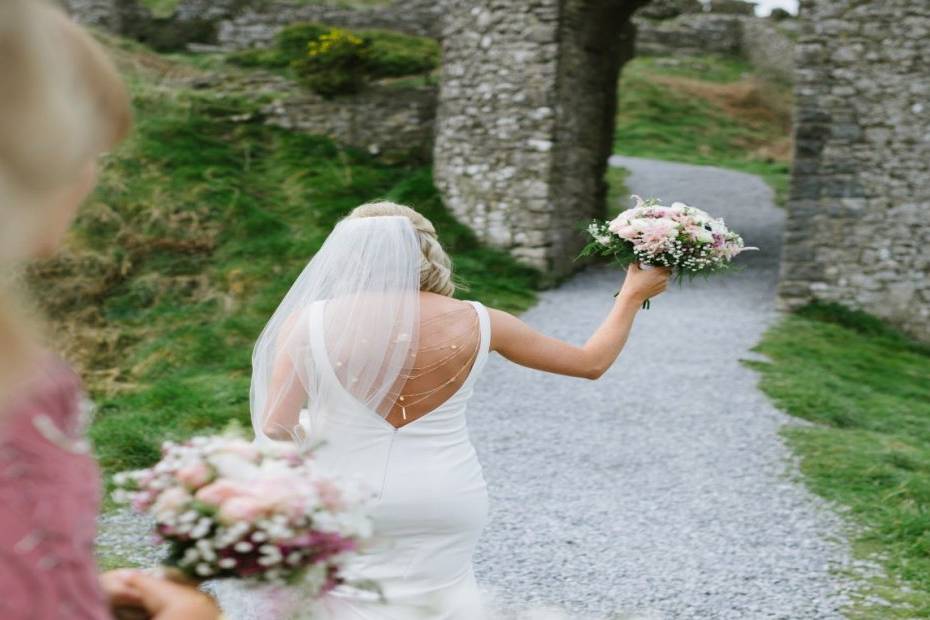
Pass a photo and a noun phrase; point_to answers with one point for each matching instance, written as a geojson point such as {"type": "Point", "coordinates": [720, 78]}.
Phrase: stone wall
{"type": "Point", "coordinates": [767, 44]}
{"type": "Point", "coordinates": [258, 24]}
{"type": "Point", "coordinates": [595, 43]}
{"type": "Point", "coordinates": [733, 7]}
{"type": "Point", "coordinates": [238, 24]}
{"type": "Point", "coordinates": [690, 34]}
{"type": "Point", "coordinates": [395, 123]}
{"type": "Point", "coordinates": [667, 9]}
{"type": "Point", "coordinates": [525, 119]}
{"type": "Point", "coordinates": [859, 213]}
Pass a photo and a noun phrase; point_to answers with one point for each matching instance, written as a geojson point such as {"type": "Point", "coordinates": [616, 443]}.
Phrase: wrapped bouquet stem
{"type": "Point", "coordinates": [684, 239]}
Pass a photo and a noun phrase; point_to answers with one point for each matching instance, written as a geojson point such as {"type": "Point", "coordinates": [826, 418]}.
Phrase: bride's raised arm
{"type": "Point", "coordinates": [523, 345]}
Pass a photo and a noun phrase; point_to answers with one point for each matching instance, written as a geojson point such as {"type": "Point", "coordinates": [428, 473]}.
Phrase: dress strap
{"type": "Point", "coordinates": [484, 324]}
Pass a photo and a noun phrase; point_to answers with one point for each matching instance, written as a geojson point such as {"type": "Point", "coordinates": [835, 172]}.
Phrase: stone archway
{"type": "Point", "coordinates": [525, 125]}
{"type": "Point", "coordinates": [525, 120]}
{"type": "Point", "coordinates": [526, 114]}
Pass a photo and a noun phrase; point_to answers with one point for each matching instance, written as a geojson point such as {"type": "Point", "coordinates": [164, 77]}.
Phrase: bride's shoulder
{"type": "Point", "coordinates": [439, 302]}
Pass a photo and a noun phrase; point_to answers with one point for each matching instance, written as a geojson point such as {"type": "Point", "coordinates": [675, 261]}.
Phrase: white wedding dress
{"type": "Point", "coordinates": [431, 500]}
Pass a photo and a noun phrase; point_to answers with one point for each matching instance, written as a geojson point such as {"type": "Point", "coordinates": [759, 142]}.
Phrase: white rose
{"type": "Point", "coordinates": [233, 466]}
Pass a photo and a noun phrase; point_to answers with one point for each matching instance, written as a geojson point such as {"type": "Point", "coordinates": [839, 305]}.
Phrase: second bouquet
{"type": "Point", "coordinates": [230, 509]}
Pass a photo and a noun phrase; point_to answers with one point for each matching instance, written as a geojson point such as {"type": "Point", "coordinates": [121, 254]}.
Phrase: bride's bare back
{"type": "Point", "coordinates": [449, 338]}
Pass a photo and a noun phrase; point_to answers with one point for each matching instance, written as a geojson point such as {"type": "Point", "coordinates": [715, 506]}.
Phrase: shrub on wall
{"type": "Point", "coordinates": [387, 54]}
{"type": "Point", "coordinates": [395, 55]}
{"type": "Point", "coordinates": [291, 42]}
{"type": "Point", "coordinates": [335, 63]}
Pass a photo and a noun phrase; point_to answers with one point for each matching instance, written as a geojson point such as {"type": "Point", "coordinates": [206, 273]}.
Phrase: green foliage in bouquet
{"type": "Point", "coordinates": [618, 251]}
{"type": "Point", "coordinates": [336, 63]}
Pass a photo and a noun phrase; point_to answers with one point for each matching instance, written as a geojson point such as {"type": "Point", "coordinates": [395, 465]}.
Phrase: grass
{"type": "Point", "coordinates": [199, 226]}
{"type": "Point", "coordinates": [706, 110]}
{"type": "Point", "coordinates": [867, 389]}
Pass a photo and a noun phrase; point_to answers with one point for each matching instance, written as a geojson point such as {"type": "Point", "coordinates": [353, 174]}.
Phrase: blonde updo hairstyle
{"type": "Point", "coordinates": [63, 104]}
{"type": "Point", "coordinates": [435, 265]}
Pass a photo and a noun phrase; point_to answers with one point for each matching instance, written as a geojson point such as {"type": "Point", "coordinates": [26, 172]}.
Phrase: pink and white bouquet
{"type": "Point", "coordinates": [231, 509]}
{"type": "Point", "coordinates": [685, 239]}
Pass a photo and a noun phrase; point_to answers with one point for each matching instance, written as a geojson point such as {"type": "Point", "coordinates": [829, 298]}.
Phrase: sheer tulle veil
{"type": "Point", "coordinates": [363, 285]}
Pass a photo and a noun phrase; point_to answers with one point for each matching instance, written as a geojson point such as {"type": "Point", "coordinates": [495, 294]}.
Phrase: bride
{"type": "Point", "coordinates": [370, 353]}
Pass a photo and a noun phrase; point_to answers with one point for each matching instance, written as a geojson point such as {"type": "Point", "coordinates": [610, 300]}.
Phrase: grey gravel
{"type": "Point", "coordinates": [663, 490]}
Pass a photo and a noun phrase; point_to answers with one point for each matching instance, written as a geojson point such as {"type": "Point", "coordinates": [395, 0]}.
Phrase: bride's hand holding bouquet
{"type": "Point", "coordinates": [641, 284]}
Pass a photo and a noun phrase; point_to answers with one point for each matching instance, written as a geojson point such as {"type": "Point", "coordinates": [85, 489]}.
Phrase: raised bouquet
{"type": "Point", "coordinates": [685, 239]}
{"type": "Point", "coordinates": [231, 509]}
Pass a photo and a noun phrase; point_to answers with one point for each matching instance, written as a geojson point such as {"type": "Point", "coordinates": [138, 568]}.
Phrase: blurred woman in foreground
{"type": "Point", "coordinates": [62, 106]}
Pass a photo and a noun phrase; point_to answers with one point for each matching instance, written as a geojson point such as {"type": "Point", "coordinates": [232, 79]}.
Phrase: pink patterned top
{"type": "Point", "coordinates": [49, 498]}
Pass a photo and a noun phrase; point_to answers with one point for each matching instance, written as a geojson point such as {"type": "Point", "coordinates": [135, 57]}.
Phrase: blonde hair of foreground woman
{"type": "Point", "coordinates": [63, 104]}
{"type": "Point", "coordinates": [435, 265]}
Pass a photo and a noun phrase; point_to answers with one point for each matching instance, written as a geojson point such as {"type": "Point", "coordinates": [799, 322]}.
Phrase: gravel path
{"type": "Point", "coordinates": [661, 490]}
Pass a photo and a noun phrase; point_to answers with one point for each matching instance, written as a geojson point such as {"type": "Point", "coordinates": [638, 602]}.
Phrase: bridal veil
{"type": "Point", "coordinates": [367, 278]}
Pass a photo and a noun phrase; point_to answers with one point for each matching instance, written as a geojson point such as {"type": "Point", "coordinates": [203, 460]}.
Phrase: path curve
{"type": "Point", "coordinates": [662, 490]}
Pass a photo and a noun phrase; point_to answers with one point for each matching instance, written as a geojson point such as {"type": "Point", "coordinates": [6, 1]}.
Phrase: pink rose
{"type": "Point", "coordinates": [237, 509]}
{"type": "Point", "coordinates": [172, 500]}
{"type": "Point", "coordinates": [141, 501]}
{"type": "Point", "coordinates": [617, 223]}
{"type": "Point", "coordinates": [627, 232]}
{"type": "Point", "coordinates": [656, 232]}
{"type": "Point", "coordinates": [282, 495]}
{"type": "Point", "coordinates": [330, 495]}
{"type": "Point", "coordinates": [221, 491]}
{"type": "Point", "coordinates": [194, 475]}
{"type": "Point", "coordinates": [621, 227]}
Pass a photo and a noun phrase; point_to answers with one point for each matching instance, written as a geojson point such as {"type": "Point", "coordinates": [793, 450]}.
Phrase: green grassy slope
{"type": "Point", "coordinates": [705, 110]}
{"type": "Point", "coordinates": [200, 224]}
{"type": "Point", "coordinates": [867, 388]}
